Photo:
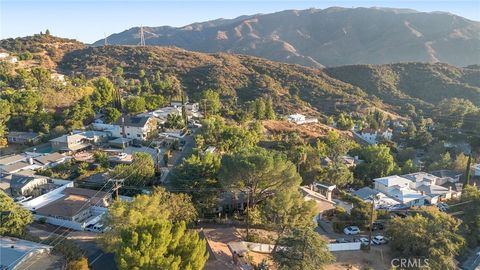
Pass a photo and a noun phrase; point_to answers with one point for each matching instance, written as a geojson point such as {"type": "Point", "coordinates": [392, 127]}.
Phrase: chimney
{"type": "Point", "coordinates": [329, 195]}
{"type": "Point", "coordinates": [450, 189]}
{"type": "Point", "coordinates": [30, 160]}
{"type": "Point", "coordinates": [423, 193]}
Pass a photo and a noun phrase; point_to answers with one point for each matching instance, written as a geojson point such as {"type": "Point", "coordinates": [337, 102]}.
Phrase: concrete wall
{"type": "Point", "coordinates": [344, 246]}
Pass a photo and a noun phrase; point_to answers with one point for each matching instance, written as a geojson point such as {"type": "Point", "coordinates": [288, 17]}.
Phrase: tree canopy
{"type": "Point", "coordinates": [15, 218]}
{"type": "Point", "coordinates": [258, 170]}
{"type": "Point", "coordinates": [303, 249]}
{"type": "Point", "coordinates": [431, 234]}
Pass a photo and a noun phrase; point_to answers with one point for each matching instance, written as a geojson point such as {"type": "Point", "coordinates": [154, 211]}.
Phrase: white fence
{"type": "Point", "coordinates": [344, 246]}
{"type": "Point", "coordinates": [260, 248]}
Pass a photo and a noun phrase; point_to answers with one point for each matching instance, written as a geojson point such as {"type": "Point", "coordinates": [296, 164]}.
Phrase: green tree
{"type": "Point", "coordinates": [471, 217]}
{"type": "Point", "coordinates": [210, 102]}
{"type": "Point", "coordinates": [431, 234]}
{"type": "Point", "coordinates": [226, 138]}
{"type": "Point", "coordinates": [345, 122]}
{"type": "Point", "coordinates": [260, 109]}
{"type": "Point", "coordinates": [135, 105]}
{"type": "Point", "coordinates": [139, 173]}
{"type": "Point", "coordinates": [339, 174]}
{"type": "Point", "coordinates": [103, 94]}
{"type": "Point", "coordinates": [15, 218]}
{"type": "Point", "coordinates": [159, 244]}
{"type": "Point", "coordinates": [80, 264]}
{"type": "Point", "coordinates": [112, 115]}
{"type": "Point", "coordinates": [260, 172]}
{"type": "Point", "coordinates": [304, 249]}
{"type": "Point", "coordinates": [101, 158]}
{"type": "Point", "coordinates": [174, 121]}
{"type": "Point", "coordinates": [287, 210]}
{"type": "Point", "coordinates": [377, 162]}
{"type": "Point", "coordinates": [4, 116]}
{"type": "Point", "coordinates": [153, 102]}
{"type": "Point", "coordinates": [269, 112]}
{"type": "Point", "coordinates": [144, 208]}
{"type": "Point", "coordinates": [198, 177]}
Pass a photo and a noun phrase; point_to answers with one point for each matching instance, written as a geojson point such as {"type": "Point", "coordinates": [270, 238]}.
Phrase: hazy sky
{"type": "Point", "coordinates": [89, 20]}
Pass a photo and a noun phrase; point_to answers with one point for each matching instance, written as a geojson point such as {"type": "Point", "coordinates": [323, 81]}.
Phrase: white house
{"type": "Point", "coordinates": [300, 119]}
{"type": "Point", "coordinates": [24, 184]}
{"type": "Point", "coordinates": [136, 127]}
{"type": "Point", "coordinates": [372, 136]}
{"type": "Point", "coordinates": [70, 207]}
{"type": "Point", "coordinates": [4, 55]}
{"type": "Point", "coordinates": [399, 188]}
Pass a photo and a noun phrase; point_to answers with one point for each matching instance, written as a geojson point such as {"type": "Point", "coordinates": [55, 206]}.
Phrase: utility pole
{"type": "Point", "coordinates": [468, 169]}
{"type": "Point", "coordinates": [371, 224]}
{"type": "Point", "coordinates": [142, 36]}
{"type": "Point", "coordinates": [117, 184]}
{"type": "Point", "coordinates": [105, 42]}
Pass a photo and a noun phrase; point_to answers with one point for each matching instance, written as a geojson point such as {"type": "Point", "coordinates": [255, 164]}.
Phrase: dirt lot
{"type": "Point", "coordinates": [313, 130]}
{"type": "Point", "coordinates": [378, 258]}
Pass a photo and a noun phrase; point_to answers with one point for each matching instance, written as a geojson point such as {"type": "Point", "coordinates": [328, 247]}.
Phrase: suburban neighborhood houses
{"type": "Point", "coordinates": [332, 138]}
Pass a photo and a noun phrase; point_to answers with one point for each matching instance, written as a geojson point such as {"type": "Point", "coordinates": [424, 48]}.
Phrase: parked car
{"type": "Point", "coordinates": [379, 240]}
{"type": "Point", "coordinates": [351, 230]}
{"type": "Point", "coordinates": [377, 226]}
{"type": "Point", "coordinates": [443, 207]}
{"type": "Point", "coordinates": [363, 240]}
{"type": "Point", "coordinates": [95, 228]}
{"type": "Point", "coordinates": [397, 207]}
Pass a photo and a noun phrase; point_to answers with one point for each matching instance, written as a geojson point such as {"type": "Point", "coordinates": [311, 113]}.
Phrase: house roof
{"type": "Point", "coordinates": [447, 173]}
{"type": "Point", "coordinates": [421, 176]}
{"type": "Point", "coordinates": [24, 135]}
{"type": "Point", "coordinates": [405, 195]}
{"type": "Point", "coordinates": [18, 181]}
{"type": "Point", "coordinates": [49, 158]}
{"type": "Point", "coordinates": [16, 253]}
{"type": "Point", "coordinates": [69, 138]}
{"type": "Point", "coordinates": [15, 166]}
{"type": "Point", "coordinates": [90, 193]}
{"type": "Point", "coordinates": [6, 160]}
{"type": "Point", "coordinates": [393, 180]}
{"type": "Point", "coordinates": [433, 190]}
{"type": "Point", "coordinates": [134, 121]}
{"type": "Point", "coordinates": [365, 193]}
{"type": "Point", "coordinates": [66, 206]}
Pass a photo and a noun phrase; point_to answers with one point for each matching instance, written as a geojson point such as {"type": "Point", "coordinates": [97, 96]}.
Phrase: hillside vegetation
{"type": "Point", "coordinates": [421, 84]}
{"type": "Point", "coordinates": [293, 88]}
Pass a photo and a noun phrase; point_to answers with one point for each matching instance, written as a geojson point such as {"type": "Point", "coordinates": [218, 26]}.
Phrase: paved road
{"type": "Point", "coordinates": [179, 156]}
{"type": "Point", "coordinates": [83, 239]}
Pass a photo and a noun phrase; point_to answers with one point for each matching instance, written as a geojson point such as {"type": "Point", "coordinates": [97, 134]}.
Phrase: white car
{"type": "Point", "coordinates": [363, 240]}
{"type": "Point", "coordinates": [379, 240]}
{"type": "Point", "coordinates": [351, 230]}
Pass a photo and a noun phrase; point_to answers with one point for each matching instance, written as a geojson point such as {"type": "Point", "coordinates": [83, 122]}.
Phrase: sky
{"type": "Point", "coordinates": [90, 20]}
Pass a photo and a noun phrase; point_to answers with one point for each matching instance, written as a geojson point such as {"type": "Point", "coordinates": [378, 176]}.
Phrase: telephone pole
{"type": "Point", "coordinates": [370, 231]}
{"type": "Point", "coordinates": [105, 41]}
{"type": "Point", "coordinates": [117, 184]}
{"type": "Point", "coordinates": [142, 36]}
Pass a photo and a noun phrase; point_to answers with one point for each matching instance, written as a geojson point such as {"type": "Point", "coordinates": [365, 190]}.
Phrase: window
{"type": "Point", "coordinates": [138, 135]}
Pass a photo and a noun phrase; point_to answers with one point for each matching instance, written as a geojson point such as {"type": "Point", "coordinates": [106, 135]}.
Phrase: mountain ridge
{"type": "Point", "coordinates": [327, 37]}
